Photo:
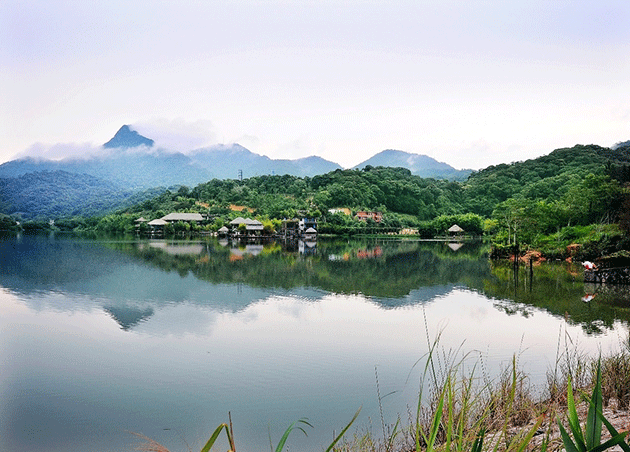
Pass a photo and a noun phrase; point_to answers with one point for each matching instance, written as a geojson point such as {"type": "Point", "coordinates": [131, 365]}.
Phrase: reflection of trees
{"type": "Point", "coordinates": [555, 288]}
{"type": "Point", "coordinates": [389, 269]}
{"type": "Point", "coordinates": [394, 271]}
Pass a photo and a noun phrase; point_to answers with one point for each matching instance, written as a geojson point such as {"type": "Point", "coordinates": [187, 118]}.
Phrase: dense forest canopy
{"type": "Point", "coordinates": [584, 181]}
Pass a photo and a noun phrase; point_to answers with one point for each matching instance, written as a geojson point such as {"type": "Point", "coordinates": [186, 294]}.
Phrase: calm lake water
{"type": "Point", "coordinates": [100, 338]}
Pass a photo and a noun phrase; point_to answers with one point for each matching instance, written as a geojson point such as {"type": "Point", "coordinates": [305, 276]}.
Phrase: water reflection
{"type": "Point", "coordinates": [102, 337]}
{"type": "Point", "coordinates": [132, 280]}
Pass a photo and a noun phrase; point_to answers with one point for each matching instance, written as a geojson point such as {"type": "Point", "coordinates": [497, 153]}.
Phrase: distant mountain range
{"type": "Point", "coordinates": [419, 165]}
{"type": "Point", "coordinates": [131, 162]}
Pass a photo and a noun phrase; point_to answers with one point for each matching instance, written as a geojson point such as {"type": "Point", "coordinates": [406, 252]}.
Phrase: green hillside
{"type": "Point", "coordinates": [572, 194]}
{"type": "Point", "coordinates": [48, 195]}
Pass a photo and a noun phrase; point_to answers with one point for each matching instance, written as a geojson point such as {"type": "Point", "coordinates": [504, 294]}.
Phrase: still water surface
{"type": "Point", "coordinates": [100, 338]}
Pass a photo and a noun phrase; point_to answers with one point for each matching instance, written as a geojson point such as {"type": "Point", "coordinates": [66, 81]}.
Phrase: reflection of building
{"type": "Point", "coordinates": [307, 246]}
{"type": "Point", "coordinates": [238, 253]}
{"type": "Point", "coordinates": [370, 254]}
{"type": "Point", "coordinates": [364, 216]}
{"type": "Point", "coordinates": [179, 249]}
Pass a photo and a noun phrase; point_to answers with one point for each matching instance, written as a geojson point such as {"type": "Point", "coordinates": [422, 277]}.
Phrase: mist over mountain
{"type": "Point", "coordinates": [94, 181]}
{"type": "Point", "coordinates": [132, 160]}
{"type": "Point", "coordinates": [418, 164]}
{"type": "Point", "coordinates": [225, 162]}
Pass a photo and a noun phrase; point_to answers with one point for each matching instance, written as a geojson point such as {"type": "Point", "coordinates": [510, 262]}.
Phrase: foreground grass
{"type": "Point", "coordinates": [460, 411]}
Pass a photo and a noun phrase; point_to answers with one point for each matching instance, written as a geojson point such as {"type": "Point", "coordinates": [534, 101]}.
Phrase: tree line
{"type": "Point", "coordinates": [570, 193]}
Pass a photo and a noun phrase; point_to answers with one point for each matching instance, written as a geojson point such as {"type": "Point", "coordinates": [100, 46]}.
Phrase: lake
{"type": "Point", "coordinates": [103, 337]}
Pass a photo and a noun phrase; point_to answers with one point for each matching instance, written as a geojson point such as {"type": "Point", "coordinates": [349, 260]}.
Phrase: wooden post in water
{"type": "Point", "coordinates": [531, 273]}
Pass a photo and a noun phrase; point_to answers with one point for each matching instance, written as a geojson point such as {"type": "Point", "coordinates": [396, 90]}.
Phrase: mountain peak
{"type": "Point", "coordinates": [127, 138]}
{"type": "Point", "coordinates": [419, 164]}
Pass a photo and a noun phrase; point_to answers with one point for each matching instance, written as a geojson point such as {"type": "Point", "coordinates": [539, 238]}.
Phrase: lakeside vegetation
{"type": "Point", "coordinates": [583, 408]}
{"type": "Point", "coordinates": [575, 195]}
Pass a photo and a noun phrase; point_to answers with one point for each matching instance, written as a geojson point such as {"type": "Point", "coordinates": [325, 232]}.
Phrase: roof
{"type": "Point", "coordinates": [175, 216]}
{"type": "Point", "coordinates": [455, 228]}
{"type": "Point", "coordinates": [238, 220]}
{"type": "Point", "coordinates": [158, 222]}
{"type": "Point", "coordinates": [311, 231]}
{"type": "Point", "coordinates": [245, 221]}
{"type": "Point", "coordinates": [141, 220]}
{"type": "Point", "coordinates": [223, 229]}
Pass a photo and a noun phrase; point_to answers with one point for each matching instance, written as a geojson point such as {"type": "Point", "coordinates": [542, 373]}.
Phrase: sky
{"type": "Point", "coordinates": [470, 83]}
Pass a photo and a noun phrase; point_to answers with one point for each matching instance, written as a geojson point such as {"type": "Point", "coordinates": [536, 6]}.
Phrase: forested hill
{"type": "Point", "coordinates": [54, 194]}
{"type": "Point", "coordinates": [551, 177]}
{"type": "Point", "coordinates": [570, 185]}
{"type": "Point", "coordinates": [380, 188]}
{"type": "Point", "coordinates": [570, 181]}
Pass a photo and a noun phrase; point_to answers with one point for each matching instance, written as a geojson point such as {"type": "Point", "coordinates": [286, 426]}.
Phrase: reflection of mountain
{"type": "Point", "coordinates": [128, 317]}
{"type": "Point", "coordinates": [135, 281]}
{"type": "Point", "coordinates": [98, 275]}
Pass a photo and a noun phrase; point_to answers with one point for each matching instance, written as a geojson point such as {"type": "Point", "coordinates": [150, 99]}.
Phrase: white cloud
{"type": "Point", "coordinates": [61, 150]}
{"type": "Point", "coordinates": [178, 134]}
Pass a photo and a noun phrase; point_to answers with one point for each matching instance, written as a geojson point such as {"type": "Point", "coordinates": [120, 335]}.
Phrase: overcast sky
{"type": "Point", "coordinates": [470, 83]}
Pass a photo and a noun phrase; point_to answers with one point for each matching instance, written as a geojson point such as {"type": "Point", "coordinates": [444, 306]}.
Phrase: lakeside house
{"type": "Point", "coordinates": [306, 224]}
{"type": "Point", "coordinates": [295, 227]}
{"type": "Point", "coordinates": [185, 217]}
{"type": "Point", "coordinates": [362, 215]}
{"type": "Point", "coordinates": [455, 230]}
{"type": "Point", "coordinates": [253, 228]}
{"type": "Point", "coordinates": [223, 231]}
{"type": "Point", "coordinates": [157, 226]}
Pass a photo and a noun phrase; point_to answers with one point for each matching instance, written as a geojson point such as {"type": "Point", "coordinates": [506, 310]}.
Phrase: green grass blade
{"type": "Point", "coordinates": [478, 444]}
{"type": "Point", "coordinates": [610, 443]}
{"type": "Point", "coordinates": [520, 447]}
{"type": "Point", "coordinates": [593, 421]}
{"type": "Point", "coordinates": [215, 435]}
{"type": "Point", "coordinates": [435, 425]}
{"type": "Point", "coordinates": [287, 432]}
{"type": "Point", "coordinates": [574, 421]}
{"type": "Point", "coordinates": [613, 432]}
{"type": "Point", "coordinates": [450, 416]}
{"type": "Point", "coordinates": [345, 429]}
{"type": "Point", "coordinates": [392, 437]}
{"type": "Point", "coordinates": [569, 445]}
